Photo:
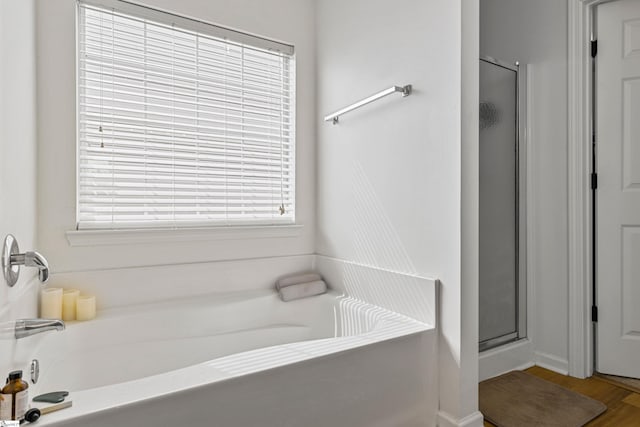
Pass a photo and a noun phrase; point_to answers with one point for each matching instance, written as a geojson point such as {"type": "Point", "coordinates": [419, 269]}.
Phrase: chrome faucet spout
{"type": "Point", "coordinates": [33, 259]}
{"type": "Point", "coordinates": [27, 327]}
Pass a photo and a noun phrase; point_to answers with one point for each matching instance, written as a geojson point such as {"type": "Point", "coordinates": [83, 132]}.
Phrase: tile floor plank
{"type": "Point", "coordinates": [633, 399]}
{"type": "Point", "coordinates": [630, 384]}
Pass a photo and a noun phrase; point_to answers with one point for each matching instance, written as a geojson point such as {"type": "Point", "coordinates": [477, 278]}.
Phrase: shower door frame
{"type": "Point", "coordinates": [521, 205]}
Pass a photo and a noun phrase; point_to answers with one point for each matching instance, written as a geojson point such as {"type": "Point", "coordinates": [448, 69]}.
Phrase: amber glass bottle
{"type": "Point", "coordinates": [14, 400]}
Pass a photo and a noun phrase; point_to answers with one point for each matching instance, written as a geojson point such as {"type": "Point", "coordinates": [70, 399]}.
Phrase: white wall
{"type": "Point", "coordinates": [390, 178]}
{"type": "Point", "coordinates": [17, 158]}
{"type": "Point", "coordinates": [535, 33]}
{"type": "Point", "coordinates": [395, 180]}
{"type": "Point", "coordinates": [57, 136]}
{"type": "Point", "coordinates": [17, 138]}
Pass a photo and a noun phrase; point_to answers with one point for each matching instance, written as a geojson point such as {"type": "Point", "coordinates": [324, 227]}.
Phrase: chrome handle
{"type": "Point", "coordinates": [33, 259]}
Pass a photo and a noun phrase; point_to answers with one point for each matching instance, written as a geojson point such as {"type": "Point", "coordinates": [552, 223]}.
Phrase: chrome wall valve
{"type": "Point", "coordinates": [12, 259]}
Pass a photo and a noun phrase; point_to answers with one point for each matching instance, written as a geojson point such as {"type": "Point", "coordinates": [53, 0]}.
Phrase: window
{"type": "Point", "coordinates": [181, 123]}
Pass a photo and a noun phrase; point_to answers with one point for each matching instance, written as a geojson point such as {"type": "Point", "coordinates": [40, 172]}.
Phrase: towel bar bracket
{"type": "Point", "coordinates": [406, 91]}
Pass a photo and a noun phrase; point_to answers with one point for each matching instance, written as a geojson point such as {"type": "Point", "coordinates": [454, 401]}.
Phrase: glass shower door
{"type": "Point", "coordinates": [500, 293]}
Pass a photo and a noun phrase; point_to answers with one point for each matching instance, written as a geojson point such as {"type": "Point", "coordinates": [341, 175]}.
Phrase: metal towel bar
{"type": "Point", "coordinates": [335, 117]}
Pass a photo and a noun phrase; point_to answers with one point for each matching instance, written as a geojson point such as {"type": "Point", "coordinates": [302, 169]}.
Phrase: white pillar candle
{"type": "Point", "coordinates": [85, 307]}
{"type": "Point", "coordinates": [51, 303]}
{"type": "Point", "coordinates": [69, 297]}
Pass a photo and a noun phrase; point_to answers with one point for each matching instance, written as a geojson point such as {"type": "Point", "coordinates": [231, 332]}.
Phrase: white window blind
{"type": "Point", "coordinates": [180, 128]}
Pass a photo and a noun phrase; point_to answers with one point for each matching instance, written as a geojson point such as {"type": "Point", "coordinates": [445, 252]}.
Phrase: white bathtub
{"type": "Point", "coordinates": [244, 359]}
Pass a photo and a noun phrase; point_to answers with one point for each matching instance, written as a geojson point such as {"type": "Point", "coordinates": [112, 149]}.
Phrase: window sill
{"type": "Point", "coordinates": [141, 236]}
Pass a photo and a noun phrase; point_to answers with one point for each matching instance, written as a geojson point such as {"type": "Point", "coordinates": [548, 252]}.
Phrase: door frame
{"type": "Point", "coordinates": [582, 30]}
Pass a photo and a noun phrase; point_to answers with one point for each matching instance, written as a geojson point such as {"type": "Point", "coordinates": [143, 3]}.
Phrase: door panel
{"type": "Point", "coordinates": [630, 280]}
{"type": "Point", "coordinates": [632, 38]}
{"type": "Point", "coordinates": [618, 193]}
{"type": "Point", "coordinates": [631, 142]}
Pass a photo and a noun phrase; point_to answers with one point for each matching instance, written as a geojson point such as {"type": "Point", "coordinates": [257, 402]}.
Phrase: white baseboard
{"type": "Point", "coordinates": [473, 420]}
{"type": "Point", "coordinates": [515, 356]}
{"type": "Point", "coordinates": [551, 362]}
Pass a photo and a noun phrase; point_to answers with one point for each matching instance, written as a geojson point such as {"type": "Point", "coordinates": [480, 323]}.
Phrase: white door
{"type": "Point", "coordinates": [618, 193]}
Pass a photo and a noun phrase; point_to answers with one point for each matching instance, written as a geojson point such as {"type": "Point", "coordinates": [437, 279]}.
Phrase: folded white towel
{"type": "Point", "coordinates": [303, 290]}
{"type": "Point", "coordinates": [296, 279]}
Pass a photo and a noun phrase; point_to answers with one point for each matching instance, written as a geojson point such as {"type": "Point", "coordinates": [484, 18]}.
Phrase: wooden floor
{"type": "Point", "coordinates": [623, 406]}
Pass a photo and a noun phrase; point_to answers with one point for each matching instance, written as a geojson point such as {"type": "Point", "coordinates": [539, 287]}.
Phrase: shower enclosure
{"type": "Point", "coordinates": [502, 213]}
